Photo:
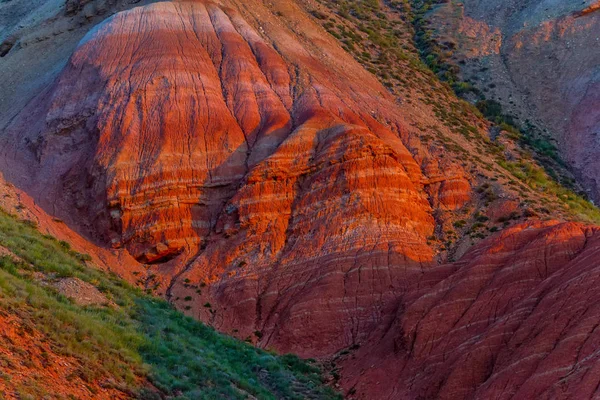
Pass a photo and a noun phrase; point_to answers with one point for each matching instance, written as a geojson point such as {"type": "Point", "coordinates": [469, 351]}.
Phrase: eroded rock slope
{"type": "Point", "coordinates": [178, 132]}
{"type": "Point", "coordinates": [514, 318]}
{"type": "Point", "coordinates": [273, 188]}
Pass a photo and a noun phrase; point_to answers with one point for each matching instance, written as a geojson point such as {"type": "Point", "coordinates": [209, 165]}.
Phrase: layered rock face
{"type": "Point", "coordinates": [178, 132]}
{"type": "Point", "coordinates": [268, 184]}
{"type": "Point", "coordinates": [515, 318]}
{"type": "Point", "coordinates": [564, 86]}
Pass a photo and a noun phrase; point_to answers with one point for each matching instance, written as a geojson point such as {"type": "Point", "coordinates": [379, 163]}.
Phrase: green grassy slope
{"type": "Point", "coordinates": [139, 338]}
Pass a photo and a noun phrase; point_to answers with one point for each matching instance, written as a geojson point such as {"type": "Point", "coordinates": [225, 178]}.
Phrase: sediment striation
{"type": "Point", "coordinates": [271, 187]}
{"type": "Point", "coordinates": [515, 317]}
{"type": "Point", "coordinates": [178, 132]}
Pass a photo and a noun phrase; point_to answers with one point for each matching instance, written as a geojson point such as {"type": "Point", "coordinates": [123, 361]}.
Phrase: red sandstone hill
{"type": "Point", "coordinates": [178, 132]}
{"type": "Point", "coordinates": [233, 158]}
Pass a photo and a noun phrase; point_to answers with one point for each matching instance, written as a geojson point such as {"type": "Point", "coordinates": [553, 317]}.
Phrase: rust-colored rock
{"type": "Point", "coordinates": [268, 183]}
{"type": "Point", "coordinates": [178, 132]}
{"type": "Point", "coordinates": [588, 10]}
{"type": "Point", "coordinates": [164, 111]}
{"type": "Point", "coordinates": [514, 318]}
{"type": "Point", "coordinates": [31, 361]}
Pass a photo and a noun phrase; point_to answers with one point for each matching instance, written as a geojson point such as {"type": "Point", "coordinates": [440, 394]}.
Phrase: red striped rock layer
{"type": "Point", "coordinates": [515, 318]}
{"type": "Point", "coordinates": [279, 168]}
{"type": "Point", "coordinates": [164, 112]}
{"type": "Point", "coordinates": [257, 153]}
{"type": "Point", "coordinates": [313, 248]}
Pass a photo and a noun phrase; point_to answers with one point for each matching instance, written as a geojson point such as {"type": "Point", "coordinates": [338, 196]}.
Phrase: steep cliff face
{"type": "Point", "coordinates": [545, 72]}
{"type": "Point", "coordinates": [557, 64]}
{"type": "Point", "coordinates": [240, 163]}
